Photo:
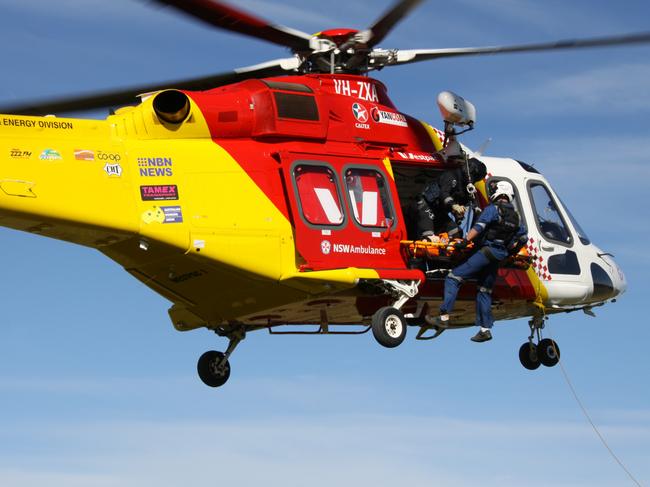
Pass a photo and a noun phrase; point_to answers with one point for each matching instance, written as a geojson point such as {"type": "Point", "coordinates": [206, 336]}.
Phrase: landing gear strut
{"type": "Point", "coordinates": [388, 323]}
{"type": "Point", "coordinates": [546, 352]}
{"type": "Point", "coordinates": [213, 367]}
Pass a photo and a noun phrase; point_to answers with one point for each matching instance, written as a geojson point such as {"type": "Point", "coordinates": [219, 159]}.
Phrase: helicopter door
{"type": "Point", "coordinates": [552, 242]}
{"type": "Point", "coordinates": [343, 212]}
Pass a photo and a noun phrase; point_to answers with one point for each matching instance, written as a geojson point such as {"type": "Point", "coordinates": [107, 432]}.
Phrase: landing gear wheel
{"type": "Point", "coordinates": [548, 352]}
{"type": "Point", "coordinates": [389, 326]}
{"type": "Point", "coordinates": [528, 356]}
{"type": "Point", "coordinates": [209, 370]}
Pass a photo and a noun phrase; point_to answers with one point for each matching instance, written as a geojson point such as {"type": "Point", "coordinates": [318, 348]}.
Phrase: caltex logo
{"type": "Point", "coordinates": [360, 112]}
{"type": "Point", "coordinates": [325, 247]}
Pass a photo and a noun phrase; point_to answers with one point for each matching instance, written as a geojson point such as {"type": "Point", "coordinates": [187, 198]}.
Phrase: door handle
{"type": "Point", "coordinates": [548, 248]}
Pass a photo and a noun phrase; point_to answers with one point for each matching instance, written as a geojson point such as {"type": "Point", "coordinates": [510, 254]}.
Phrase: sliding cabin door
{"type": "Point", "coordinates": [345, 212]}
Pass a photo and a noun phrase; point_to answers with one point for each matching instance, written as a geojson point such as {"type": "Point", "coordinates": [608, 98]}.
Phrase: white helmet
{"type": "Point", "coordinates": [503, 188]}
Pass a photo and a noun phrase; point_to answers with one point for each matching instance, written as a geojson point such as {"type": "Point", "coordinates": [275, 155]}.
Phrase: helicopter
{"type": "Point", "coordinates": [284, 186]}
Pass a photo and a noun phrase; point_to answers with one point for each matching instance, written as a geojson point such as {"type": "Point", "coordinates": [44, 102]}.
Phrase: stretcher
{"type": "Point", "coordinates": [450, 251]}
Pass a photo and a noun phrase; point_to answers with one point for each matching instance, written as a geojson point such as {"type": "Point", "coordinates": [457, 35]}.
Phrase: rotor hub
{"type": "Point", "coordinates": [337, 36]}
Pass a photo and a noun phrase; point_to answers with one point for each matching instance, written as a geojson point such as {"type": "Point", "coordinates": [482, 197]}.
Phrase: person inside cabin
{"type": "Point", "coordinates": [498, 234]}
{"type": "Point", "coordinates": [448, 194]}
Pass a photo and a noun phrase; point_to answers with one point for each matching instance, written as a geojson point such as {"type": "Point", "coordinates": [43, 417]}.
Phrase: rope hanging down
{"type": "Point", "coordinates": [591, 422]}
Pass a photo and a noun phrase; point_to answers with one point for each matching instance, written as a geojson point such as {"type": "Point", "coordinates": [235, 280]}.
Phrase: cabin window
{"type": "Point", "coordinates": [318, 194]}
{"type": "Point", "coordinates": [369, 197]}
{"type": "Point", "coordinates": [298, 107]}
{"type": "Point", "coordinates": [491, 187]}
{"type": "Point", "coordinates": [547, 214]}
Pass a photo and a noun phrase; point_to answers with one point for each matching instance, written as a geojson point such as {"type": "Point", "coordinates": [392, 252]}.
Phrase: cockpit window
{"type": "Point", "coordinates": [548, 217]}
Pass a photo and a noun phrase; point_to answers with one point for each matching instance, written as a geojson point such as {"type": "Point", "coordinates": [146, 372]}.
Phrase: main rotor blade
{"type": "Point", "coordinates": [125, 96]}
{"type": "Point", "coordinates": [220, 15]}
{"type": "Point", "coordinates": [414, 55]}
{"type": "Point", "coordinates": [385, 24]}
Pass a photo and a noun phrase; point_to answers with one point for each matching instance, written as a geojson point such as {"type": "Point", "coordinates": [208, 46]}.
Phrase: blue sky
{"type": "Point", "coordinates": [98, 389]}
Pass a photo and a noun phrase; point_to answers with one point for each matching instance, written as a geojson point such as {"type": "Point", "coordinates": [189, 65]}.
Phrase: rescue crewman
{"type": "Point", "coordinates": [448, 194]}
{"type": "Point", "coordinates": [502, 235]}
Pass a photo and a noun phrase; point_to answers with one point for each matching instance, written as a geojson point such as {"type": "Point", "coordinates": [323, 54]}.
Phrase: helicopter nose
{"type": "Point", "coordinates": [608, 279]}
{"type": "Point", "coordinates": [620, 283]}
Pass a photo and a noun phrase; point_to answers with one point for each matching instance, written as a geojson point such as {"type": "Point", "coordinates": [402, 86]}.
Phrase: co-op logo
{"type": "Point", "coordinates": [108, 156]}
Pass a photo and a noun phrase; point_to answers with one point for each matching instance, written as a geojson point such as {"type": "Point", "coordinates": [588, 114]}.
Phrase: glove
{"type": "Point", "coordinates": [461, 244]}
{"type": "Point", "coordinates": [433, 238]}
{"type": "Point", "coordinates": [516, 245]}
{"type": "Point", "coordinates": [458, 210]}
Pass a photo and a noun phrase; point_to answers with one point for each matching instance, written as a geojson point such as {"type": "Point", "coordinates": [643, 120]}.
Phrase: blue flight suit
{"type": "Point", "coordinates": [482, 265]}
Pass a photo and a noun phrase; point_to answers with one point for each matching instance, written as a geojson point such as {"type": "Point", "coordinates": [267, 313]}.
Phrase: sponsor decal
{"type": "Point", "coordinates": [389, 118]}
{"type": "Point", "coordinates": [113, 170]}
{"type": "Point", "coordinates": [108, 156]}
{"type": "Point", "coordinates": [19, 154]}
{"type": "Point", "coordinates": [155, 166]}
{"type": "Point", "coordinates": [415, 156]}
{"type": "Point", "coordinates": [163, 214]}
{"type": "Point", "coordinates": [361, 115]}
{"type": "Point", "coordinates": [363, 90]}
{"type": "Point", "coordinates": [173, 214]}
{"type": "Point", "coordinates": [90, 155]}
{"type": "Point", "coordinates": [325, 247]}
{"type": "Point", "coordinates": [84, 155]}
{"type": "Point", "coordinates": [50, 155]}
{"type": "Point", "coordinates": [43, 124]}
{"type": "Point", "coordinates": [187, 276]}
{"type": "Point", "coordinates": [357, 249]}
{"type": "Point", "coordinates": [159, 192]}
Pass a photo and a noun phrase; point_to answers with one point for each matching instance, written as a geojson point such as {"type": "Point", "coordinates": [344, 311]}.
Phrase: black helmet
{"type": "Point", "coordinates": [477, 170]}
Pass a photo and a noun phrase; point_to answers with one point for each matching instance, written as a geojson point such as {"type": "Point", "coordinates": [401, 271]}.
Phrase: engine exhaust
{"type": "Point", "coordinates": [171, 106]}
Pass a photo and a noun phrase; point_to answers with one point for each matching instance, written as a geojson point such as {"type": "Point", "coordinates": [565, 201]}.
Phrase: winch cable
{"type": "Point", "coordinates": [587, 416]}
{"type": "Point", "coordinates": [469, 218]}
{"type": "Point", "coordinates": [468, 221]}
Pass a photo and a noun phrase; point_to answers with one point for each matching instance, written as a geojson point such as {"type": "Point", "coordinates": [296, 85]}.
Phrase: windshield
{"type": "Point", "coordinates": [582, 235]}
